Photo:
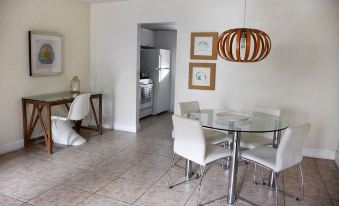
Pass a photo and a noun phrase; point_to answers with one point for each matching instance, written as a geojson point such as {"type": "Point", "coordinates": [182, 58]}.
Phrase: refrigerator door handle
{"type": "Point", "coordinates": [159, 61]}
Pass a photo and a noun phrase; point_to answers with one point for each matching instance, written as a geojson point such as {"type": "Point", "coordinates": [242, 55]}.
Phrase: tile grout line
{"type": "Point", "coordinates": [42, 193]}
{"type": "Point", "coordinates": [12, 198]}
{"type": "Point", "coordinates": [322, 180]}
{"type": "Point", "coordinates": [57, 183]}
{"type": "Point", "coordinates": [145, 191]}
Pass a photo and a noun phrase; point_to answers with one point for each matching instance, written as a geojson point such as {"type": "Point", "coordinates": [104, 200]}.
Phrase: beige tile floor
{"type": "Point", "coordinates": [121, 168]}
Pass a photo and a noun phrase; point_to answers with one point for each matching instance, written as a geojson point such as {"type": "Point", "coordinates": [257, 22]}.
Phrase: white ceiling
{"type": "Point", "coordinates": [152, 26]}
{"type": "Point", "coordinates": [160, 26]}
{"type": "Point", "coordinates": [100, 1]}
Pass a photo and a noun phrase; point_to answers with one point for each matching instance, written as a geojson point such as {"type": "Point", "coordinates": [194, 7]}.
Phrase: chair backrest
{"type": "Point", "coordinates": [79, 107]}
{"type": "Point", "coordinates": [185, 107]}
{"type": "Point", "coordinates": [290, 150]}
{"type": "Point", "coordinates": [267, 110]}
{"type": "Point", "coordinates": [189, 139]}
{"type": "Point", "coordinates": [270, 111]}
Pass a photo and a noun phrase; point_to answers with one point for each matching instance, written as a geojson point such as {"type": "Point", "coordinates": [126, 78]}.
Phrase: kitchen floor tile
{"type": "Point", "coordinates": [60, 196]}
{"type": "Point", "coordinates": [124, 190]}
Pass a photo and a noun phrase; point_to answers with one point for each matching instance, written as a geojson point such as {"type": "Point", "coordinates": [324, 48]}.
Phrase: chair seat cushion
{"type": "Point", "coordinates": [214, 152]}
{"type": "Point", "coordinates": [250, 140]}
{"type": "Point", "coordinates": [216, 137]}
{"type": "Point", "coordinates": [264, 155]}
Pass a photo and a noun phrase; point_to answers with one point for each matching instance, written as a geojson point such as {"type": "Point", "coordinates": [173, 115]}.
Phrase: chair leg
{"type": "Point", "coordinates": [276, 189]}
{"type": "Point", "coordinates": [202, 172]}
{"type": "Point", "coordinates": [227, 145]}
{"type": "Point", "coordinates": [262, 176]}
{"type": "Point", "coordinates": [255, 174]}
{"type": "Point", "coordinates": [283, 186]}
{"type": "Point", "coordinates": [302, 182]}
{"type": "Point", "coordinates": [169, 172]}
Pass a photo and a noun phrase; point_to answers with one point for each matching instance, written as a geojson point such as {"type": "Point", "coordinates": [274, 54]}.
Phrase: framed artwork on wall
{"type": "Point", "coordinates": [201, 76]}
{"type": "Point", "coordinates": [204, 45]}
{"type": "Point", "coordinates": [45, 54]}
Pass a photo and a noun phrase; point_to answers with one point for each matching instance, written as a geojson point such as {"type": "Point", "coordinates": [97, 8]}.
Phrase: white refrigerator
{"type": "Point", "coordinates": [156, 64]}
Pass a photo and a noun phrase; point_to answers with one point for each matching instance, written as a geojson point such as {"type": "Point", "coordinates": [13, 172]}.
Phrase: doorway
{"type": "Point", "coordinates": [157, 44]}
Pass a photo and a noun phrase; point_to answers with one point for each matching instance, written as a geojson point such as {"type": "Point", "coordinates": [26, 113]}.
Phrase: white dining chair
{"type": "Point", "coordinates": [62, 131]}
{"type": "Point", "coordinates": [212, 136]}
{"type": "Point", "coordinates": [251, 140]}
{"type": "Point", "coordinates": [288, 154]}
{"type": "Point", "coordinates": [190, 143]}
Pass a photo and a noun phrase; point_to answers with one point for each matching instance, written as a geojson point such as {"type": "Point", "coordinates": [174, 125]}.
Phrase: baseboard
{"type": "Point", "coordinates": [19, 144]}
{"type": "Point", "coordinates": [336, 159]}
{"type": "Point", "coordinates": [319, 153]}
{"type": "Point", "coordinates": [125, 127]}
{"type": "Point", "coordinates": [106, 126]}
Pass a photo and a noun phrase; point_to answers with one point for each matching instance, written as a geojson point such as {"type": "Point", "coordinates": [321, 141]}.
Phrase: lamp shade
{"type": "Point", "coordinates": [244, 45]}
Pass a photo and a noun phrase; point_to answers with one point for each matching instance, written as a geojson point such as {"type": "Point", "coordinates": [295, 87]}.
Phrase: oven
{"type": "Point", "coordinates": [146, 99]}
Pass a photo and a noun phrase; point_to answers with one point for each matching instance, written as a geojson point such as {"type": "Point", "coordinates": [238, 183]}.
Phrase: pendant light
{"type": "Point", "coordinates": [244, 44]}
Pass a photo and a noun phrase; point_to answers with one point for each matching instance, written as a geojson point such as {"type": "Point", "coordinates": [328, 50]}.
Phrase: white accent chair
{"type": "Point", "coordinates": [62, 131]}
{"type": "Point", "coordinates": [190, 143]}
{"type": "Point", "coordinates": [212, 136]}
{"type": "Point", "coordinates": [288, 154]}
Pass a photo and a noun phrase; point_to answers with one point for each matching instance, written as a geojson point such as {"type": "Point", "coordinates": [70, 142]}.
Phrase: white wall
{"type": "Point", "coordinates": [168, 40]}
{"type": "Point", "coordinates": [71, 19]}
{"type": "Point", "coordinates": [300, 75]}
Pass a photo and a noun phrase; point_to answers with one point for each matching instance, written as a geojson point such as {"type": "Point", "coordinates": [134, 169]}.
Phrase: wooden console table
{"type": "Point", "coordinates": [47, 101]}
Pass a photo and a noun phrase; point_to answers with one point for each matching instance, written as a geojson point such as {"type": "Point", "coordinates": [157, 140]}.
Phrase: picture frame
{"type": "Point", "coordinates": [204, 45]}
{"type": "Point", "coordinates": [45, 53]}
{"type": "Point", "coordinates": [202, 76]}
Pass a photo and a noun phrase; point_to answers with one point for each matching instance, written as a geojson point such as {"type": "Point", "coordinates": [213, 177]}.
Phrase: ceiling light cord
{"type": "Point", "coordinates": [245, 14]}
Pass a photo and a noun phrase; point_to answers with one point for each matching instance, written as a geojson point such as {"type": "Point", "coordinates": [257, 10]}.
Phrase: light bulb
{"type": "Point", "coordinates": [243, 40]}
{"type": "Point", "coordinates": [242, 43]}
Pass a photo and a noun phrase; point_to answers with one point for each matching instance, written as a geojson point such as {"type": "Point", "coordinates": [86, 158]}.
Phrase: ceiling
{"type": "Point", "coordinates": [160, 26]}
{"type": "Point", "coordinates": [100, 1]}
{"type": "Point", "coordinates": [168, 26]}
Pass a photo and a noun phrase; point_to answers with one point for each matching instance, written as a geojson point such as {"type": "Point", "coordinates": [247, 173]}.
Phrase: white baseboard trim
{"type": "Point", "coordinates": [319, 153]}
{"type": "Point", "coordinates": [336, 159]}
{"type": "Point", "coordinates": [106, 126]}
{"type": "Point", "coordinates": [125, 127]}
{"type": "Point", "coordinates": [19, 144]}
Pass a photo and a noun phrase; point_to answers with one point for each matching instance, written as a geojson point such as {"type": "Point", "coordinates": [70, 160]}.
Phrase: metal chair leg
{"type": "Point", "coordinates": [169, 172]}
{"type": "Point", "coordinates": [227, 145]}
{"type": "Point", "coordinates": [255, 174]}
{"type": "Point", "coordinates": [283, 186]}
{"type": "Point", "coordinates": [302, 182]}
{"type": "Point", "coordinates": [202, 173]}
{"type": "Point", "coordinates": [262, 177]}
{"type": "Point", "coordinates": [276, 189]}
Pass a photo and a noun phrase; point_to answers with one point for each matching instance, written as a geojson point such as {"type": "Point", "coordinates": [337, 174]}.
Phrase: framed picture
{"type": "Point", "coordinates": [204, 45]}
{"type": "Point", "coordinates": [202, 76]}
{"type": "Point", "coordinates": [45, 54]}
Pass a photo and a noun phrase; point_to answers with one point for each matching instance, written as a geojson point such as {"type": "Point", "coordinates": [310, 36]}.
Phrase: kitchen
{"type": "Point", "coordinates": [157, 68]}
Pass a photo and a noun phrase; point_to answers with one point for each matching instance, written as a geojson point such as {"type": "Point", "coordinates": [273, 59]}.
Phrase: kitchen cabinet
{"type": "Point", "coordinates": [147, 37]}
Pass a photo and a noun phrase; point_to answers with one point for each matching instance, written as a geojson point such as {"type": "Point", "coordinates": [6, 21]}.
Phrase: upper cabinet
{"type": "Point", "coordinates": [147, 37]}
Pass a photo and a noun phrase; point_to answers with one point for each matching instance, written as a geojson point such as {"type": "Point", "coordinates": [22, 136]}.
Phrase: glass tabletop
{"type": "Point", "coordinates": [238, 122]}
{"type": "Point", "coordinates": [55, 96]}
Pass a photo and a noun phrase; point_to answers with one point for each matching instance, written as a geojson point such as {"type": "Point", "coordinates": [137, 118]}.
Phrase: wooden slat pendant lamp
{"type": "Point", "coordinates": [244, 44]}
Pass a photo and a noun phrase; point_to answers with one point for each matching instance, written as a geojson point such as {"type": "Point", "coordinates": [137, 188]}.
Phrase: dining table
{"type": "Point", "coordinates": [236, 123]}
